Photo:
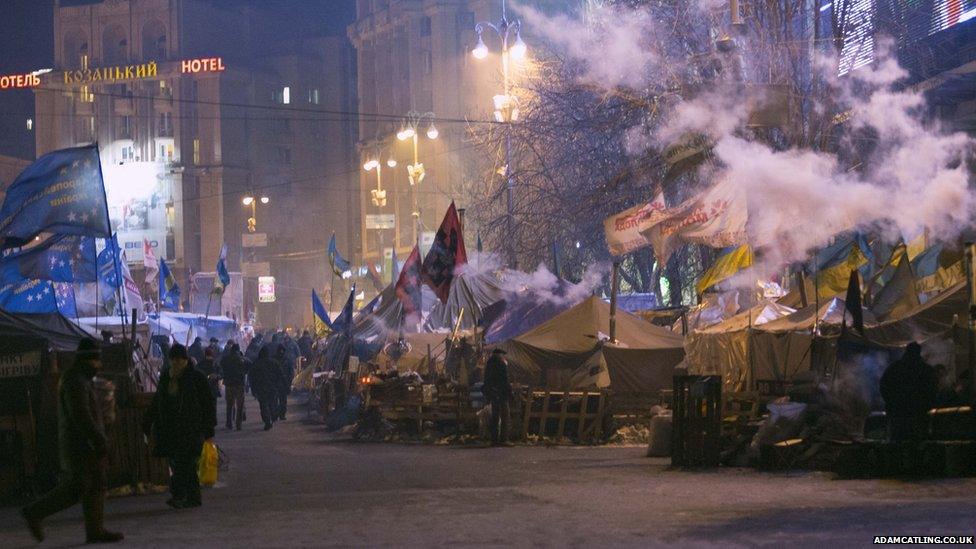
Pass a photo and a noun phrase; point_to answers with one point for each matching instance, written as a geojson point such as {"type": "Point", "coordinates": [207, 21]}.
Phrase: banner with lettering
{"type": "Point", "coordinates": [61, 192]}
{"type": "Point", "coordinates": [623, 231]}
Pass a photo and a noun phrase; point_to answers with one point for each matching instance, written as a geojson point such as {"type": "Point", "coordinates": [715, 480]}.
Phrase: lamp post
{"type": "Point", "coordinates": [505, 104]}
{"type": "Point", "coordinates": [378, 195]}
{"type": "Point", "coordinates": [249, 200]}
{"type": "Point", "coordinates": [410, 129]}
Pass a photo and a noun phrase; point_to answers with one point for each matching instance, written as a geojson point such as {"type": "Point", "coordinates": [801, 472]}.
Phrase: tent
{"type": "Point", "coordinates": [641, 360]}
{"type": "Point", "coordinates": [470, 292]}
{"type": "Point", "coordinates": [61, 333]}
{"type": "Point", "coordinates": [527, 309]}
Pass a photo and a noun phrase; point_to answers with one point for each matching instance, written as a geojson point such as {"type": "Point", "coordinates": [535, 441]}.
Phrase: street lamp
{"type": "Point", "coordinates": [252, 222]}
{"type": "Point", "coordinates": [378, 194]}
{"type": "Point", "coordinates": [505, 104]}
{"type": "Point", "coordinates": [415, 172]}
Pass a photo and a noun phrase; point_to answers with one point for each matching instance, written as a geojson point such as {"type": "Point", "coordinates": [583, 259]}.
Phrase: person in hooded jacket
{"type": "Point", "coordinates": [196, 351]}
{"type": "Point", "coordinates": [287, 367]}
{"type": "Point", "coordinates": [234, 369]}
{"type": "Point", "coordinates": [181, 417]}
{"type": "Point", "coordinates": [266, 380]}
{"type": "Point", "coordinates": [82, 447]}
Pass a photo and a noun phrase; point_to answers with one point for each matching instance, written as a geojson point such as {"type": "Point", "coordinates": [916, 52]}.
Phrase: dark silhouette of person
{"type": "Point", "coordinates": [266, 379]}
{"type": "Point", "coordinates": [182, 416]}
{"type": "Point", "coordinates": [498, 391]}
{"type": "Point", "coordinates": [908, 387]}
{"type": "Point", "coordinates": [82, 446]}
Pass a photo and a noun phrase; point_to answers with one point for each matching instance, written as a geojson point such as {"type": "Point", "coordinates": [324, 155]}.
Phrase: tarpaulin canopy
{"type": "Point", "coordinates": [550, 353]}
{"type": "Point", "coordinates": [469, 292]}
{"type": "Point", "coordinates": [527, 309]}
{"type": "Point", "coordinates": [934, 318]}
{"type": "Point", "coordinates": [61, 333]}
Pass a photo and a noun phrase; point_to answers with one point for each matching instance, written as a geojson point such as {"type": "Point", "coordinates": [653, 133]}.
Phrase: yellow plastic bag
{"type": "Point", "coordinates": [209, 461]}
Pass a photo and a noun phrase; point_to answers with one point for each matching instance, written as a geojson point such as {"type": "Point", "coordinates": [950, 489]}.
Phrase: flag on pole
{"type": "Point", "coordinates": [133, 297]}
{"type": "Point", "coordinates": [109, 271]}
{"type": "Point", "coordinates": [169, 290]}
{"type": "Point", "coordinates": [832, 266]}
{"type": "Point", "coordinates": [339, 265]}
{"type": "Point", "coordinates": [319, 310]}
{"type": "Point", "coordinates": [374, 276]}
{"type": "Point", "coordinates": [222, 279]}
{"type": "Point", "coordinates": [394, 267]}
{"type": "Point", "coordinates": [64, 295]}
{"type": "Point", "coordinates": [59, 258]}
{"type": "Point", "coordinates": [730, 261]}
{"type": "Point", "coordinates": [938, 268]}
{"type": "Point", "coordinates": [149, 260]}
{"type": "Point", "coordinates": [445, 256]}
{"type": "Point", "coordinates": [343, 322]}
{"type": "Point", "coordinates": [61, 192]}
{"type": "Point", "coordinates": [28, 296]}
{"type": "Point", "coordinates": [407, 288]}
{"type": "Point", "coordinates": [853, 301]}
{"type": "Point", "coordinates": [899, 295]}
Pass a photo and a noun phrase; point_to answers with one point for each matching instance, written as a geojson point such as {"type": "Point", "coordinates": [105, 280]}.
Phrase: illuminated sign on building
{"type": "Point", "coordinates": [208, 64]}
{"type": "Point", "coordinates": [111, 74]}
{"type": "Point", "coordinates": [29, 80]}
{"type": "Point", "coordinates": [266, 289]}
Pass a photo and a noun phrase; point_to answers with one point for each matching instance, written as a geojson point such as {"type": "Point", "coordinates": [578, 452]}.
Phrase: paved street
{"type": "Point", "coordinates": [295, 487]}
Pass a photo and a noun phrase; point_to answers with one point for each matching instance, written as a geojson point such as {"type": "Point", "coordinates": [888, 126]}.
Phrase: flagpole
{"type": "Point", "coordinates": [332, 289]}
{"type": "Point", "coordinates": [97, 300]}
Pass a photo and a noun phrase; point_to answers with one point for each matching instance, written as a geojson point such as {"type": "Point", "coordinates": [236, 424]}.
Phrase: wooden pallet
{"type": "Point", "coordinates": [576, 415]}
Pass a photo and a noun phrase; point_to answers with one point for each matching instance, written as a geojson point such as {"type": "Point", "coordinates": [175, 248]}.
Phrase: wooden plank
{"type": "Point", "coordinates": [581, 418]}
{"type": "Point", "coordinates": [560, 430]}
{"type": "Point", "coordinates": [545, 414]}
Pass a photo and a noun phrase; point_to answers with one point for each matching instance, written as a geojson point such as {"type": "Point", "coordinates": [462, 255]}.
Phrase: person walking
{"type": "Point", "coordinates": [235, 368]}
{"type": "Point", "coordinates": [210, 371]}
{"type": "Point", "coordinates": [181, 417]}
{"type": "Point", "coordinates": [82, 447]}
{"type": "Point", "coordinates": [908, 387]}
{"type": "Point", "coordinates": [196, 351]}
{"type": "Point", "coordinates": [287, 367]}
{"type": "Point", "coordinates": [498, 391]}
{"type": "Point", "coordinates": [265, 377]}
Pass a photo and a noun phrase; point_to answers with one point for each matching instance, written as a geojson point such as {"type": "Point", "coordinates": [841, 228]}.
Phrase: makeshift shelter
{"type": "Point", "coordinates": [471, 293]}
{"type": "Point", "coordinates": [527, 309]}
{"type": "Point", "coordinates": [641, 360]}
{"type": "Point", "coordinates": [61, 333]}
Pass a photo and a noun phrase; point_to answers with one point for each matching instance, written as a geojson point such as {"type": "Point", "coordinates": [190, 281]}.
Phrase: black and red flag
{"type": "Point", "coordinates": [407, 287]}
{"type": "Point", "coordinates": [445, 256]}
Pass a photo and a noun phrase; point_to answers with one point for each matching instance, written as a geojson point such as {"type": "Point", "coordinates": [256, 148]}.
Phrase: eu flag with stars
{"type": "Point", "coordinates": [109, 271]}
{"type": "Point", "coordinates": [62, 192]}
{"type": "Point", "coordinates": [64, 293]}
{"type": "Point", "coordinates": [59, 258]}
{"type": "Point", "coordinates": [28, 296]}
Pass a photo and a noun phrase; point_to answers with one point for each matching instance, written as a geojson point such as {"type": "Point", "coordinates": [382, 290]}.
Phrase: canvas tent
{"type": "Point", "coordinates": [469, 292]}
{"type": "Point", "coordinates": [550, 354]}
{"type": "Point", "coordinates": [527, 309]}
{"type": "Point", "coordinates": [61, 333]}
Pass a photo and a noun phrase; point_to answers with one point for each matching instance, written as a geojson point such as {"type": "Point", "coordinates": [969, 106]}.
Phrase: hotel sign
{"type": "Point", "coordinates": [122, 73]}
{"type": "Point", "coordinates": [13, 81]}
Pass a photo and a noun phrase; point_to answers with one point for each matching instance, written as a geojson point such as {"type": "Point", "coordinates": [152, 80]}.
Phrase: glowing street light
{"type": "Point", "coordinates": [252, 222]}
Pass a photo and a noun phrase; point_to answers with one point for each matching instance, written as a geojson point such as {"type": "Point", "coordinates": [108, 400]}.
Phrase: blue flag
{"type": "Point", "coordinates": [336, 261]}
{"type": "Point", "coordinates": [343, 323]}
{"type": "Point", "coordinates": [61, 192]}
{"type": "Point", "coordinates": [60, 258]}
{"type": "Point", "coordinates": [109, 270]}
{"type": "Point", "coordinates": [223, 277]}
{"type": "Point", "coordinates": [64, 293]}
{"type": "Point", "coordinates": [28, 296]}
{"type": "Point", "coordinates": [169, 290]}
{"type": "Point", "coordinates": [320, 311]}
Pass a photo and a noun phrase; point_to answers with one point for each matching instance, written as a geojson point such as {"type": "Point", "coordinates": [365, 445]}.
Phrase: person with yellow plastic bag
{"type": "Point", "coordinates": [180, 420]}
{"type": "Point", "coordinates": [209, 463]}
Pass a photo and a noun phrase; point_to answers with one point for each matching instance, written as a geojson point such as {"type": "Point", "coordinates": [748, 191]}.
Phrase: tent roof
{"type": "Point", "coordinates": [933, 318]}
{"type": "Point", "coordinates": [830, 312]}
{"type": "Point", "coordinates": [580, 328]}
{"type": "Point", "coordinates": [62, 333]}
{"type": "Point", "coordinates": [471, 292]}
{"type": "Point", "coordinates": [765, 312]}
{"type": "Point", "coordinates": [527, 309]}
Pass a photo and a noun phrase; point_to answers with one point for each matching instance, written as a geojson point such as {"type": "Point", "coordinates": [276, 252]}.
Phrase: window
{"type": "Point", "coordinates": [428, 62]}
{"type": "Point", "coordinates": [282, 155]}
{"type": "Point", "coordinates": [124, 130]}
{"type": "Point", "coordinates": [165, 124]}
{"type": "Point", "coordinates": [196, 151]}
{"type": "Point", "coordinates": [313, 96]}
{"type": "Point", "coordinates": [165, 152]}
{"type": "Point", "coordinates": [425, 24]}
{"type": "Point", "coordinates": [286, 95]}
{"type": "Point", "coordinates": [127, 153]}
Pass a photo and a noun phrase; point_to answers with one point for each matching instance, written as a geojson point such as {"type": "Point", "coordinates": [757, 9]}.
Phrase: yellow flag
{"type": "Point", "coordinates": [725, 266]}
{"type": "Point", "coordinates": [833, 280]}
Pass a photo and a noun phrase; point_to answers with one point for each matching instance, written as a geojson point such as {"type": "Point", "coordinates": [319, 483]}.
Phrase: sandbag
{"type": "Point", "coordinates": [659, 439]}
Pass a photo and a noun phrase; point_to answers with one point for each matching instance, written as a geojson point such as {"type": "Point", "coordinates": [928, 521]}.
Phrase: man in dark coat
{"type": "Point", "coordinates": [181, 417]}
{"type": "Point", "coordinates": [209, 370]}
{"type": "Point", "coordinates": [287, 367]}
{"type": "Point", "coordinates": [196, 351]}
{"type": "Point", "coordinates": [82, 447]}
{"type": "Point", "coordinates": [305, 345]}
{"type": "Point", "coordinates": [908, 387]}
{"type": "Point", "coordinates": [266, 379]}
{"type": "Point", "coordinates": [498, 392]}
{"type": "Point", "coordinates": [234, 367]}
